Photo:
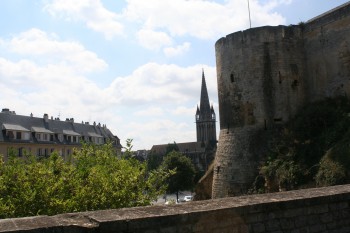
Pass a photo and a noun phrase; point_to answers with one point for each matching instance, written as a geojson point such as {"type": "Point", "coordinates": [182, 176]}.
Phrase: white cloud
{"type": "Point", "coordinates": [153, 40]}
{"type": "Point", "coordinates": [155, 83]}
{"type": "Point", "coordinates": [181, 111]}
{"type": "Point", "coordinates": [160, 132]}
{"type": "Point", "coordinates": [152, 111]}
{"type": "Point", "coordinates": [47, 48]}
{"type": "Point", "coordinates": [178, 50]}
{"type": "Point", "coordinates": [49, 75]}
{"type": "Point", "coordinates": [201, 19]}
{"type": "Point", "coordinates": [91, 12]}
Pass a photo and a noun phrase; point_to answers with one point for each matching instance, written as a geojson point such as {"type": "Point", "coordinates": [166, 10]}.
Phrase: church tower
{"type": "Point", "coordinates": [205, 118]}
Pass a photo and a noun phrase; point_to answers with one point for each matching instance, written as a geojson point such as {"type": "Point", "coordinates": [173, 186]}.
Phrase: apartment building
{"type": "Point", "coordinates": [41, 136]}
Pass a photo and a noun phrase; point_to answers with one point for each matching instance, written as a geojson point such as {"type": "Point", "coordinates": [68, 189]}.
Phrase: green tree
{"type": "Point", "coordinates": [94, 178]}
{"type": "Point", "coordinates": [183, 179]}
{"type": "Point", "coordinates": [128, 149]}
{"type": "Point", "coordinates": [171, 147]}
{"type": "Point", "coordinates": [154, 161]}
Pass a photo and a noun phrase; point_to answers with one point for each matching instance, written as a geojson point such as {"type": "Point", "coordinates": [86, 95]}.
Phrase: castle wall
{"type": "Point", "coordinates": [312, 210]}
{"type": "Point", "coordinates": [327, 49]}
{"type": "Point", "coordinates": [265, 75]}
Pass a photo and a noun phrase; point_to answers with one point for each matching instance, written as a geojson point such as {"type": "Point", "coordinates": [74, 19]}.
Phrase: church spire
{"type": "Point", "coordinates": [204, 101]}
{"type": "Point", "coordinates": [205, 117]}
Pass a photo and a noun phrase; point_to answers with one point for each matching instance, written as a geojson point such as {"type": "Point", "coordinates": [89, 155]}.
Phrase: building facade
{"type": "Point", "coordinates": [22, 135]}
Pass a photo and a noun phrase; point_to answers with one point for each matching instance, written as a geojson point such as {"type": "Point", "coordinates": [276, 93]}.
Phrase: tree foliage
{"type": "Point", "coordinates": [154, 161]}
{"type": "Point", "coordinates": [94, 178]}
{"type": "Point", "coordinates": [183, 179]}
{"type": "Point", "coordinates": [171, 147]}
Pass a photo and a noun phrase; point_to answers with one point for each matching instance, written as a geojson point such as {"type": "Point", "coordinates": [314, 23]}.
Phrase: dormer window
{"type": "Point", "coordinates": [42, 134]}
{"type": "Point", "coordinates": [16, 132]}
{"type": "Point", "coordinates": [10, 134]}
{"type": "Point", "coordinates": [71, 136]}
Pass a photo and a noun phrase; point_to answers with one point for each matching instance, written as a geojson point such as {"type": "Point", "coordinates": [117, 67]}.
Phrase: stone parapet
{"type": "Point", "coordinates": [310, 210]}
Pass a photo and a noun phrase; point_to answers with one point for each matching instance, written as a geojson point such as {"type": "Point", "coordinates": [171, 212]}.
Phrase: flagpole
{"type": "Point", "coordinates": [250, 22]}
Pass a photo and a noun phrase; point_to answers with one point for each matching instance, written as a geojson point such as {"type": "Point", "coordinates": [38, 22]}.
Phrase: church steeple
{"type": "Point", "coordinates": [204, 101]}
{"type": "Point", "coordinates": [205, 117]}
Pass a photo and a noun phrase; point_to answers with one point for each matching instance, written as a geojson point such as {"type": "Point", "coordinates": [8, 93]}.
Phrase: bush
{"type": "Point", "coordinates": [330, 172]}
{"type": "Point", "coordinates": [94, 178]}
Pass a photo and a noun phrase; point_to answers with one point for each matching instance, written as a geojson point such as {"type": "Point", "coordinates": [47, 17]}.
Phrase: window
{"type": "Point", "coordinates": [46, 138]}
{"type": "Point", "coordinates": [11, 134]}
{"type": "Point", "coordinates": [46, 152]}
{"type": "Point", "coordinates": [51, 137]}
{"type": "Point", "coordinates": [39, 152]}
{"type": "Point", "coordinates": [18, 135]}
{"type": "Point", "coordinates": [38, 136]}
{"type": "Point", "coordinates": [68, 151]}
{"type": "Point", "coordinates": [232, 78]}
{"type": "Point", "coordinates": [69, 138]}
{"type": "Point", "coordinates": [74, 139]}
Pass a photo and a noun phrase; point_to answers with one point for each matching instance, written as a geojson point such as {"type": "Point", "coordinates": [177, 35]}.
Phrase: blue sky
{"type": "Point", "coordinates": [133, 65]}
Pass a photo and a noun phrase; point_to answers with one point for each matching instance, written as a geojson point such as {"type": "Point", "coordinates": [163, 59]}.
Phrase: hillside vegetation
{"type": "Point", "coordinates": [313, 149]}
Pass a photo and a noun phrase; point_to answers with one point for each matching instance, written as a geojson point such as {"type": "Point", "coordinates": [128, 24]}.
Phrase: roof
{"type": "Point", "coordinates": [95, 135]}
{"type": "Point", "coordinates": [41, 130]}
{"type": "Point", "coordinates": [11, 121]}
{"type": "Point", "coordinates": [186, 147]}
{"type": "Point", "coordinates": [70, 132]}
{"type": "Point", "coordinates": [14, 127]}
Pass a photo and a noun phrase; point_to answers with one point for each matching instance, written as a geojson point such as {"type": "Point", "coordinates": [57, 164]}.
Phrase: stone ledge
{"type": "Point", "coordinates": [124, 220]}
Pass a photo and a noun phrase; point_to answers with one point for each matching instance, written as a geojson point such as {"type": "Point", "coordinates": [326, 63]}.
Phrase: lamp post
{"type": "Point", "coordinates": [250, 22]}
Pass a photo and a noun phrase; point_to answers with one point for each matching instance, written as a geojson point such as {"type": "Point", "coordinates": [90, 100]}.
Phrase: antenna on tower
{"type": "Point", "coordinates": [250, 22]}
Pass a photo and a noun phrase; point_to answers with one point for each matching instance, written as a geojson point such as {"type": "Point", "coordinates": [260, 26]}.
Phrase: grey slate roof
{"type": "Point", "coordinates": [186, 147]}
{"type": "Point", "coordinates": [14, 127]}
{"type": "Point", "coordinates": [11, 121]}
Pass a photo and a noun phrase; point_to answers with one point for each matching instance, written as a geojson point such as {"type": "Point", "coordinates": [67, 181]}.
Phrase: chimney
{"type": "Point", "coordinates": [86, 123]}
{"type": "Point", "coordinates": [7, 111]}
{"type": "Point", "coordinates": [72, 120]}
{"type": "Point", "coordinates": [46, 117]}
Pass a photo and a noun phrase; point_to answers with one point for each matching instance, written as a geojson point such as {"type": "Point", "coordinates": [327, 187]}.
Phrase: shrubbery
{"type": "Point", "coordinates": [313, 149]}
{"type": "Point", "coordinates": [94, 178]}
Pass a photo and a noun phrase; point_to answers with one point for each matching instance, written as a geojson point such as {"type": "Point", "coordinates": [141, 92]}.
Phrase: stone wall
{"type": "Point", "coordinates": [311, 210]}
{"type": "Point", "coordinates": [265, 76]}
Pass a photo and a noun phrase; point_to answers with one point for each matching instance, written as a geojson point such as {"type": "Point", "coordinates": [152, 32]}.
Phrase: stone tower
{"type": "Point", "coordinates": [205, 118]}
{"type": "Point", "coordinates": [265, 76]}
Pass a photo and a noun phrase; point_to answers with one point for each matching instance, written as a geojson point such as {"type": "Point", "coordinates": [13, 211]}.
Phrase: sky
{"type": "Point", "coordinates": [134, 65]}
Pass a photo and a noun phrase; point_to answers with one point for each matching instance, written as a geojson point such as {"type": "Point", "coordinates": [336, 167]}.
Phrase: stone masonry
{"type": "Point", "coordinates": [265, 75]}
{"type": "Point", "coordinates": [322, 210]}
